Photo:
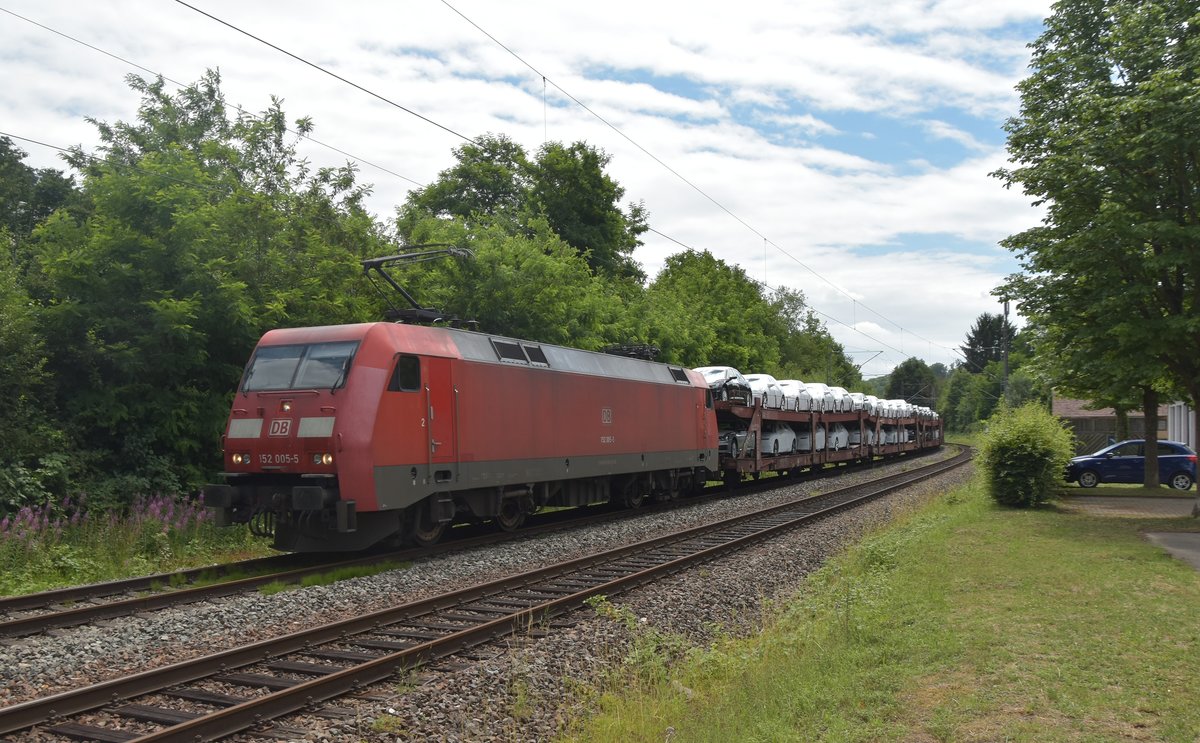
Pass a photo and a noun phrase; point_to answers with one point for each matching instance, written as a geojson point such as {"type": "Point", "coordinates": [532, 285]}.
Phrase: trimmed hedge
{"type": "Point", "coordinates": [1024, 454]}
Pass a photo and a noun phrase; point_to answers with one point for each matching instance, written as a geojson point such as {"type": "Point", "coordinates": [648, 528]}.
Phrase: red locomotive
{"type": "Point", "coordinates": [344, 436]}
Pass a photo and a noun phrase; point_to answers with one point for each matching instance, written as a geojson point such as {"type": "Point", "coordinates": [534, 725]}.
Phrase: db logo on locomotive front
{"type": "Point", "coordinates": [280, 427]}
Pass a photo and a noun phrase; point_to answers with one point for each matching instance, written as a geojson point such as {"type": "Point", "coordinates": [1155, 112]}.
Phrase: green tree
{"type": "Point", "coordinates": [32, 464]}
{"type": "Point", "coordinates": [29, 195]}
{"type": "Point", "coordinates": [532, 286]}
{"type": "Point", "coordinates": [582, 204]}
{"type": "Point", "coordinates": [702, 311]}
{"type": "Point", "coordinates": [204, 231]}
{"type": "Point", "coordinates": [489, 180]}
{"type": "Point", "coordinates": [986, 341]}
{"type": "Point", "coordinates": [494, 181]}
{"type": "Point", "coordinates": [953, 392]}
{"type": "Point", "coordinates": [807, 350]}
{"type": "Point", "coordinates": [1108, 139]}
{"type": "Point", "coordinates": [914, 381]}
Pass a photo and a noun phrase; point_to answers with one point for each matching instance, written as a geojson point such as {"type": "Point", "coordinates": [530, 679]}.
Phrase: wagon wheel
{"type": "Point", "coordinates": [511, 516]}
{"type": "Point", "coordinates": [423, 529]}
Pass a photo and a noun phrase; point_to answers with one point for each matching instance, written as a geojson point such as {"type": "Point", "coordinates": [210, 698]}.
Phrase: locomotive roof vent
{"type": "Point", "coordinates": [512, 352]}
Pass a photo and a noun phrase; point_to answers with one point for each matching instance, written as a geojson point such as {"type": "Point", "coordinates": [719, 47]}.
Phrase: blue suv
{"type": "Point", "coordinates": [1125, 462]}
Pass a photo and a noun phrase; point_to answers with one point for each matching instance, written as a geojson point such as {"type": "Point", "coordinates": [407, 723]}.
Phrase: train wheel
{"type": "Point", "coordinates": [425, 531]}
{"type": "Point", "coordinates": [511, 516]}
{"type": "Point", "coordinates": [634, 497]}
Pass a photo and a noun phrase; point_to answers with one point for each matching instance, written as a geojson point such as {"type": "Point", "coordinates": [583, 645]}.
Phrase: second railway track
{"type": "Point", "coordinates": [74, 606]}
{"type": "Point", "coordinates": [305, 668]}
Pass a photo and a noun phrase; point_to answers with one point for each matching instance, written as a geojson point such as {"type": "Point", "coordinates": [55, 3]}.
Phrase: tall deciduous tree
{"type": "Point", "coordinates": [1108, 139]}
{"type": "Point", "coordinates": [204, 231]}
{"type": "Point", "coordinates": [489, 180]}
{"type": "Point", "coordinates": [495, 182]}
{"type": "Point", "coordinates": [582, 204]}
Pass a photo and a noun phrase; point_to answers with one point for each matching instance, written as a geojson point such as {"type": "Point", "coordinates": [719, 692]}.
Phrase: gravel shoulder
{"type": "Point", "coordinates": [527, 688]}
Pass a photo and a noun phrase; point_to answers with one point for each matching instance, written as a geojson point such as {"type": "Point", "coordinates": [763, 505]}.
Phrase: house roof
{"type": "Point", "coordinates": [1065, 407]}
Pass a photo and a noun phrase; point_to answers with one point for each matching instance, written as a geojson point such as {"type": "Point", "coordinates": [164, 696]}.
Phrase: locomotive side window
{"type": "Point", "coordinates": [306, 367]}
{"type": "Point", "coordinates": [406, 377]}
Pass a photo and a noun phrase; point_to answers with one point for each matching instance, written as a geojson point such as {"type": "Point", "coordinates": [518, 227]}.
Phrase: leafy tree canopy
{"type": "Point", "coordinates": [1108, 139]}
{"type": "Point", "coordinates": [914, 381]}
{"type": "Point", "coordinates": [204, 231]}
{"type": "Point", "coordinates": [495, 181]}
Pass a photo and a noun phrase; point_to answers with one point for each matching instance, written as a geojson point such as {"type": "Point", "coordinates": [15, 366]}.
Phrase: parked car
{"type": "Point", "coordinates": [822, 397]}
{"type": "Point", "coordinates": [765, 390]}
{"type": "Point", "coordinates": [726, 383]}
{"type": "Point", "coordinates": [795, 395]}
{"type": "Point", "coordinates": [778, 438]}
{"type": "Point", "coordinates": [871, 404]}
{"type": "Point", "coordinates": [1126, 462]}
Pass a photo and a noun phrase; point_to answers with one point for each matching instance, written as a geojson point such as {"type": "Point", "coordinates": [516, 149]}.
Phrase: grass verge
{"type": "Point", "coordinates": [965, 622]}
{"type": "Point", "coordinates": [66, 544]}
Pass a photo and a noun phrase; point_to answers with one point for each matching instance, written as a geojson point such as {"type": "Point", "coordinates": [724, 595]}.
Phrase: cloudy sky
{"type": "Point", "coordinates": [839, 148]}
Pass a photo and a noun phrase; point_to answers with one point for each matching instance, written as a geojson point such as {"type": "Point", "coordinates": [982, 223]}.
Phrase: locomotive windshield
{"type": "Point", "coordinates": [300, 367]}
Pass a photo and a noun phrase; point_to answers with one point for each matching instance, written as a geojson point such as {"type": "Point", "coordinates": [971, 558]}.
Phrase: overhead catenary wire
{"type": "Point", "coordinates": [331, 73]}
{"type": "Point", "coordinates": [585, 107]}
{"type": "Point", "coordinates": [546, 80]}
{"type": "Point", "coordinates": [143, 68]}
{"type": "Point", "coordinates": [680, 176]}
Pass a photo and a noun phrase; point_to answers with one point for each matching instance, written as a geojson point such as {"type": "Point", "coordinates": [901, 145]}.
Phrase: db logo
{"type": "Point", "coordinates": [280, 427]}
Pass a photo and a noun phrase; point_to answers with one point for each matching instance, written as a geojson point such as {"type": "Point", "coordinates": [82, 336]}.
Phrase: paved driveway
{"type": "Point", "coordinates": [1183, 545]}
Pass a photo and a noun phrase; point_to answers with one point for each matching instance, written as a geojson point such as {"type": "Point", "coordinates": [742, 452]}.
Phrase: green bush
{"type": "Point", "coordinates": [1024, 454]}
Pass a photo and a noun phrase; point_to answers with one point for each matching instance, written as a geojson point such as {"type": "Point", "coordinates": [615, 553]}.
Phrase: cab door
{"type": "Point", "coordinates": [441, 414]}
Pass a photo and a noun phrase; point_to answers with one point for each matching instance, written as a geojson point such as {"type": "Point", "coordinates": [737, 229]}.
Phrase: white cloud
{"type": "Point", "coordinates": [668, 78]}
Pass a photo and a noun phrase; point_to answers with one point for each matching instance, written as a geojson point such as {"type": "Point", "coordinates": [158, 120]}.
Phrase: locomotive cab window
{"type": "Point", "coordinates": [300, 367]}
{"type": "Point", "coordinates": [406, 377]}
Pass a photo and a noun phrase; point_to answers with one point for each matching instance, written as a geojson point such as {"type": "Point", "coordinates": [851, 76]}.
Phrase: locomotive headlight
{"type": "Point", "coordinates": [240, 458]}
{"type": "Point", "coordinates": [286, 406]}
{"type": "Point", "coordinates": [326, 459]}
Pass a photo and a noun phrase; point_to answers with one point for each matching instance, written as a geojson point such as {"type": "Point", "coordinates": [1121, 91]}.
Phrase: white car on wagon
{"type": "Point", "coordinates": [766, 390]}
{"type": "Point", "coordinates": [795, 395]}
{"type": "Point", "coordinates": [822, 397]}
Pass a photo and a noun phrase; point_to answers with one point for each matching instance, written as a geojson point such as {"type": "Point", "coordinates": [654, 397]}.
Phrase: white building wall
{"type": "Point", "coordinates": [1181, 422]}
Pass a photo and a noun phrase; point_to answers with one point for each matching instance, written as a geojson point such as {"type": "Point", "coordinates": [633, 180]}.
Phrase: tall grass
{"type": "Point", "coordinates": [967, 621]}
{"type": "Point", "coordinates": [67, 543]}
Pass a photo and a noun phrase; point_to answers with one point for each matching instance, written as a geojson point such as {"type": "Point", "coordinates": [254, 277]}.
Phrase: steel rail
{"type": "Point", "coordinates": [240, 717]}
{"type": "Point", "coordinates": [171, 593]}
{"type": "Point", "coordinates": [81, 700]}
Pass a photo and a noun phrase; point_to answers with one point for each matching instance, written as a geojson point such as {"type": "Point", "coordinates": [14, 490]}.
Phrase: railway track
{"type": "Point", "coordinates": [221, 694]}
{"type": "Point", "coordinates": [70, 607]}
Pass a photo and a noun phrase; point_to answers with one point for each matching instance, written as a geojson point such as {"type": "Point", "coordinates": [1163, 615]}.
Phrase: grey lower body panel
{"type": "Point", "coordinates": [399, 486]}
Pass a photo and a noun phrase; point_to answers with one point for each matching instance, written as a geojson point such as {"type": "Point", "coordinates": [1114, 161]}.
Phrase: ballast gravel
{"type": "Point", "coordinates": [526, 688]}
